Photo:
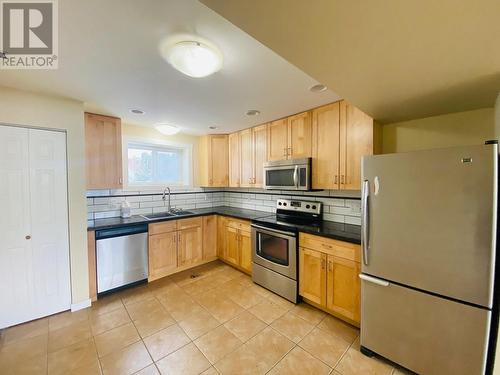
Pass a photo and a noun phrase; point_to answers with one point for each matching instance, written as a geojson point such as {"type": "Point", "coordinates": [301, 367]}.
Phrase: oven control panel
{"type": "Point", "coordinates": [299, 206]}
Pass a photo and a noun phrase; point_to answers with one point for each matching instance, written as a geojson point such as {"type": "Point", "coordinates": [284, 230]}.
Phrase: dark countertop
{"type": "Point", "coordinates": [339, 231]}
{"type": "Point", "coordinates": [137, 219]}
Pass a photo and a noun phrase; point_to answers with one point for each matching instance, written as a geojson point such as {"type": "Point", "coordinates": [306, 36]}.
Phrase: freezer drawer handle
{"type": "Point", "coordinates": [373, 280]}
{"type": "Point", "coordinates": [365, 221]}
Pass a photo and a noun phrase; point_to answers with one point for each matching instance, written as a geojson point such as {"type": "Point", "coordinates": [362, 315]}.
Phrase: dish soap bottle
{"type": "Point", "coordinates": [125, 209]}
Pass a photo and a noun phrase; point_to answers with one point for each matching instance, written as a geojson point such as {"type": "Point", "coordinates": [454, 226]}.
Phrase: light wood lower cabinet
{"type": "Point", "coordinates": [189, 246]}
{"type": "Point", "coordinates": [245, 251]}
{"type": "Point", "coordinates": [174, 245]}
{"type": "Point", "coordinates": [237, 248]}
{"type": "Point", "coordinates": [209, 237]}
{"type": "Point", "coordinates": [328, 275]}
{"type": "Point", "coordinates": [312, 275]}
{"type": "Point", "coordinates": [92, 265]}
{"type": "Point", "coordinates": [162, 254]}
{"type": "Point", "coordinates": [343, 287]}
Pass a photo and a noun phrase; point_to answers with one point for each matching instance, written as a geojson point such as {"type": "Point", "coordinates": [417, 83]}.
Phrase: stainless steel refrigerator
{"type": "Point", "coordinates": [429, 223]}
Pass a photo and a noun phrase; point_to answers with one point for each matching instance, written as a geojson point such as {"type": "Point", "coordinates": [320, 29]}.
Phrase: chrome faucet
{"type": "Point", "coordinates": [169, 208]}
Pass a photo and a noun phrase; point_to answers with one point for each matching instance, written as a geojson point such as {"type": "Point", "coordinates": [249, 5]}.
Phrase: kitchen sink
{"type": "Point", "coordinates": [160, 215]}
{"type": "Point", "coordinates": [165, 215]}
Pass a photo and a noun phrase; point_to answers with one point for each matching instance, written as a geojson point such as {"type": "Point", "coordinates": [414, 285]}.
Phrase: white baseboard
{"type": "Point", "coordinates": [81, 305]}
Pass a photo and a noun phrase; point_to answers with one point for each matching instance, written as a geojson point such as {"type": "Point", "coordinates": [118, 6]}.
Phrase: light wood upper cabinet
{"type": "Point", "coordinates": [343, 287]}
{"type": "Point", "coordinates": [356, 141]}
{"type": "Point", "coordinates": [260, 154]}
{"type": "Point", "coordinates": [312, 275]}
{"type": "Point", "coordinates": [213, 160]}
{"type": "Point", "coordinates": [299, 136]}
{"type": "Point", "coordinates": [277, 140]}
{"type": "Point", "coordinates": [209, 237]}
{"type": "Point", "coordinates": [246, 157]}
{"type": "Point", "coordinates": [329, 275]}
{"type": "Point", "coordinates": [341, 136]}
{"type": "Point", "coordinates": [189, 250]}
{"type": "Point", "coordinates": [234, 160]}
{"type": "Point", "coordinates": [290, 138]}
{"type": "Point", "coordinates": [103, 151]}
{"type": "Point", "coordinates": [326, 147]}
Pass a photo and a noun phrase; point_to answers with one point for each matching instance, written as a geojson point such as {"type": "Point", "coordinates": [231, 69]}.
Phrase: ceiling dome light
{"type": "Point", "coordinates": [137, 111]}
{"type": "Point", "coordinates": [252, 112]}
{"type": "Point", "coordinates": [317, 88]}
{"type": "Point", "coordinates": [194, 58]}
{"type": "Point", "coordinates": [167, 129]}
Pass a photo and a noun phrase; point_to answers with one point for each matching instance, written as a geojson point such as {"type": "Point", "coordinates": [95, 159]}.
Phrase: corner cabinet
{"type": "Point", "coordinates": [213, 160]}
{"type": "Point", "coordinates": [341, 136]}
{"type": "Point", "coordinates": [329, 275]}
{"type": "Point", "coordinates": [103, 152]}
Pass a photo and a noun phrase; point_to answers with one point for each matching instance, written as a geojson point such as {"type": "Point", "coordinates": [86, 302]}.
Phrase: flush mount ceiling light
{"type": "Point", "coordinates": [252, 112]}
{"type": "Point", "coordinates": [213, 127]}
{"type": "Point", "coordinates": [317, 88]}
{"type": "Point", "coordinates": [167, 129]}
{"type": "Point", "coordinates": [193, 56]}
{"type": "Point", "coordinates": [137, 111]}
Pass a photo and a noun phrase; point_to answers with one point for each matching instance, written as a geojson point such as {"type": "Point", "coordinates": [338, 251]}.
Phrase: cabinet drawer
{"type": "Point", "coordinates": [162, 227]}
{"type": "Point", "coordinates": [330, 246]}
{"type": "Point", "coordinates": [189, 223]}
{"type": "Point", "coordinates": [238, 224]}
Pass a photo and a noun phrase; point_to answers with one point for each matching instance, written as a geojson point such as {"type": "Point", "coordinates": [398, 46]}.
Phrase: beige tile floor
{"type": "Point", "coordinates": [217, 322]}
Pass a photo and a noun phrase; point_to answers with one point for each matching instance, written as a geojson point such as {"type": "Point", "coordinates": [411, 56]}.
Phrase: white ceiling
{"type": "Point", "coordinates": [108, 58]}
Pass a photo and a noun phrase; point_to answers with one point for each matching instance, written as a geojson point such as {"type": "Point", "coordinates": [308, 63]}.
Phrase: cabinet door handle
{"type": "Point", "coordinates": [336, 180]}
{"type": "Point", "coordinates": [289, 151]}
{"type": "Point", "coordinates": [322, 263]}
{"type": "Point", "coordinates": [120, 180]}
{"type": "Point", "coordinates": [330, 266]}
{"type": "Point", "coordinates": [342, 180]}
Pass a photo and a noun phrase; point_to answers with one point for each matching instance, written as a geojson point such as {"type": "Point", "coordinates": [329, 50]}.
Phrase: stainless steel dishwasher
{"type": "Point", "coordinates": [122, 256]}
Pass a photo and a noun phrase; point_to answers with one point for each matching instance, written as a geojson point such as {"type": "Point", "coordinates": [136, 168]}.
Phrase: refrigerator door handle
{"type": "Point", "coordinates": [373, 280]}
{"type": "Point", "coordinates": [365, 221]}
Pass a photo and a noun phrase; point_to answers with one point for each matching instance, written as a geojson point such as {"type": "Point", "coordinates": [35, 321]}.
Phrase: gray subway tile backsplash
{"type": "Point", "coordinates": [339, 207]}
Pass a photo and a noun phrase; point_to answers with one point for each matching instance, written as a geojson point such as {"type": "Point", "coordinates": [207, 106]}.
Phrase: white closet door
{"type": "Point", "coordinates": [34, 250]}
{"type": "Point", "coordinates": [49, 221]}
{"type": "Point", "coordinates": [16, 278]}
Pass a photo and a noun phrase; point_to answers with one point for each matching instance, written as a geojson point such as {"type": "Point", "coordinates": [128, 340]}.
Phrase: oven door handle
{"type": "Point", "coordinates": [272, 230]}
{"type": "Point", "coordinates": [296, 176]}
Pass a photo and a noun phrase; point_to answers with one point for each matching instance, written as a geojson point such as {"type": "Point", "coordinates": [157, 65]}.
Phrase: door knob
{"type": "Point", "coordinates": [28, 237]}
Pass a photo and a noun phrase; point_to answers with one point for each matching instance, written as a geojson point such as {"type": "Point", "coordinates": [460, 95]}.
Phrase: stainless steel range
{"type": "Point", "coordinates": [274, 244]}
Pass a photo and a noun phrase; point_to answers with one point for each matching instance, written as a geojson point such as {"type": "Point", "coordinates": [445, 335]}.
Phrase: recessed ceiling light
{"type": "Point", "coordinates": [194, 57]}
{"type": "Point", "coordinates": [137, 111]}
{"type": "Point", "coordinates": [167, 129]}
{"type": "Point", "coordinates": [213, 127]}
{"type": "Point", "coordinates": [252, 112]}
{"type": "Point", "coordinates": [317, 88]}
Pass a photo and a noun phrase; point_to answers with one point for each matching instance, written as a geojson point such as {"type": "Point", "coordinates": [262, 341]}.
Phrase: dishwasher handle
{"type": "Point", "coordinates": [120, 231]}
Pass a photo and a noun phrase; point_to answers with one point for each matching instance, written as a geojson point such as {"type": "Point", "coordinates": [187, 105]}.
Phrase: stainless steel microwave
{"type": "Point", "coordinates": [292, 174]}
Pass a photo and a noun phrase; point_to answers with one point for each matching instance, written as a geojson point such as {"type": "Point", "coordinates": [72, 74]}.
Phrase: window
{"type": "Point", "coordinates": [152, 164]}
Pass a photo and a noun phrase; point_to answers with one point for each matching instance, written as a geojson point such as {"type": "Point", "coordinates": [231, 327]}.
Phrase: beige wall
{"type": "Point", "coordinates": [23, 108]}
{"type": "Point", "coordinates": [142, 132]}
{"type": "Point", "coordinates": [454, 129]}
